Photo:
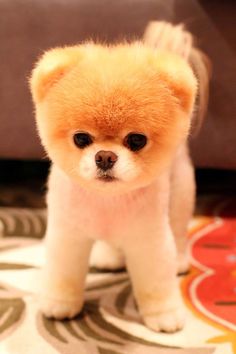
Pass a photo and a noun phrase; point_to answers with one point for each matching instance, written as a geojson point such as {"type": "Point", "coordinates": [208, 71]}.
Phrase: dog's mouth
{"type": "Point", "coordinates": [106, 178]}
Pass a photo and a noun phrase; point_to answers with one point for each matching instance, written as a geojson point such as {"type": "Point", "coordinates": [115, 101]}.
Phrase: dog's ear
{"type": "Point", "coordinates": [51, 68]}
{"type": "Point", "coordinates": [178, 76]}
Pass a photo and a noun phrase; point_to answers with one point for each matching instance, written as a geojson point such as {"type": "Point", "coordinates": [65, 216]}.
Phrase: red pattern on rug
{"type": "Point", "coordinates": [210, 288]}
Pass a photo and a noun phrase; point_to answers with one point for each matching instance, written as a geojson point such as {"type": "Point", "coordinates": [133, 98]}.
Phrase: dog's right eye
{"type": "Point", "coordinates": [82, 140]}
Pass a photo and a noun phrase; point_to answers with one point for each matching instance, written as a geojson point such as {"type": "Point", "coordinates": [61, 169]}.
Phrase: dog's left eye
{"type": "Point", "coordinates": [82, 140]}
{"type": "Point", "coordinates": [135, 141]}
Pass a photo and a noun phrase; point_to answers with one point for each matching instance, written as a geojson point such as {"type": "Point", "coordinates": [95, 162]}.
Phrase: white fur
{"type": "Point", "coordinates": [87, 168]}
{"type": "Point", "coordinates": [136, 223]}
{"type": "Point", "coordinates": [125, 168]}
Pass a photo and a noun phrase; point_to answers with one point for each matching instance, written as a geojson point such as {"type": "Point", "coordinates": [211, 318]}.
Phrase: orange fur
{"type": "Point", "coordinates": [109, 92]}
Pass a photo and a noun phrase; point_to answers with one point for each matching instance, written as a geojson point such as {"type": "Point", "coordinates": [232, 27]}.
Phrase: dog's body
{"type": "Point", "coordinates": [133, 227]}
{"type": "Point", "coordinates": [133, 117]}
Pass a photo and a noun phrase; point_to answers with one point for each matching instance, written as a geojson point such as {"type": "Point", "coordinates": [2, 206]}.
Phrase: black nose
{"type": "Point", "coordinates": [105, 160]}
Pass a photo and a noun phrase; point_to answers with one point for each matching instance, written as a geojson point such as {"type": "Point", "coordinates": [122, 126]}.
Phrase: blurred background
{"type": "Point", "coordinates": [29, 27]}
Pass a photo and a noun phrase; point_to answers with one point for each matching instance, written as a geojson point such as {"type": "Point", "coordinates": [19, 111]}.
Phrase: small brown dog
{"type": "Point", "coordinates": [115, 120]}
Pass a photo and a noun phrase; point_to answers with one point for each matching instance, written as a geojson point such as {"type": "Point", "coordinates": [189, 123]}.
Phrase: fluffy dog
{"type": "Point", "coordinates": [114, 120]}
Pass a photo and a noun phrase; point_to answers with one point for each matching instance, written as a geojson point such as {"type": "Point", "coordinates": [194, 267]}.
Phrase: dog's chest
{"type": "Point", "coordinates": [106, 219]}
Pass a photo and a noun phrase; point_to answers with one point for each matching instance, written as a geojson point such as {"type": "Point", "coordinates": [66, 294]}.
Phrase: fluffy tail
{"type": "Point", "coordinates": [174, 38]}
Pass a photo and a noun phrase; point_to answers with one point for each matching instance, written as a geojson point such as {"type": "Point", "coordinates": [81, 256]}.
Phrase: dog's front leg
{"type": "Point", "coordinates": [67, 256]}
{"type": "Point", "coordinates": [152, 264]}
{"type": "Point", "coordinates": [151, 259]}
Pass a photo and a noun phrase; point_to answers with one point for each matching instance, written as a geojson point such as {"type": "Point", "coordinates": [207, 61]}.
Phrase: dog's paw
{"type": "Point", "coordinates": [104, 256]}
{"type": "Point", "coordinates": [60, 309]}
{"type": "Point", "coordinates": [169, 321]}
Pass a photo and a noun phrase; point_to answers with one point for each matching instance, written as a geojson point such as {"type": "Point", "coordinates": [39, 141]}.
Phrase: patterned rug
{"type": "Point", "coordinates": [110, 323]}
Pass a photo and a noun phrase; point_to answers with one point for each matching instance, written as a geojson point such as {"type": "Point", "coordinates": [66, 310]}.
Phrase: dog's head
{"type": "Point", "coordinates": [112, 117]}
